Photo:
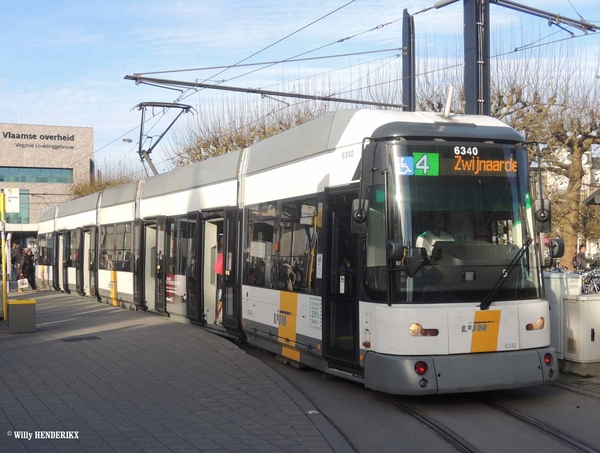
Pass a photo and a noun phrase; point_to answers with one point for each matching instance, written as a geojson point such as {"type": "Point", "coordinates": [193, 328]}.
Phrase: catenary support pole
{"type": "Point", "coordinates": [477, 57]}
{"type": "Point", "coordinates": [408, 62]}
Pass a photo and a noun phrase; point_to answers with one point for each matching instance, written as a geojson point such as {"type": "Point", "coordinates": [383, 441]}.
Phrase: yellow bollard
{"type": "Point", "coordinates": [113, 288]}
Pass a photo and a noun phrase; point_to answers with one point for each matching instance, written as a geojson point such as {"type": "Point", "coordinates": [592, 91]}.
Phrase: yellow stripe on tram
{"type": "Point", "coordinates": [486, 328]}
{"type": "Point", "coordinates": [288, 309]}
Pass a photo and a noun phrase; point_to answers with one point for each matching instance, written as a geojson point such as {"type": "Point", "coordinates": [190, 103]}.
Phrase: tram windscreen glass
{"type": "Point", "coordinates": [468, 208]}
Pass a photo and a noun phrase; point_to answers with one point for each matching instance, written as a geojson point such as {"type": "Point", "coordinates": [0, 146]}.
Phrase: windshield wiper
{"type": "Point", "coordinates": [487, 300]}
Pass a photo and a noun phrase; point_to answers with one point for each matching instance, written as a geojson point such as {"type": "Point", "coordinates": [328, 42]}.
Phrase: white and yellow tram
{"type": "Point", "coordinates": [331, 256]}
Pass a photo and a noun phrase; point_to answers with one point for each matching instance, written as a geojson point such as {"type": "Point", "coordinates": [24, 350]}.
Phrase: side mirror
{"type": "Point", "coordinates": [542, 215]}
{"type": "Point", "coordinates": [557, 248]}
{"type": "Point", "coordinates": [360, 209]}
{"type": "Point", "coordinates": [395, 250]}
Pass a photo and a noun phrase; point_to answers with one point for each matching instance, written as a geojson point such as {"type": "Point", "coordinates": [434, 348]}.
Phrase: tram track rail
{"type": "Point", "coordinates": [464, 446]}
{"type": "Point", "coordinates": [549, 430]}
{"type": "Point", "coordinates": [445, 433]}
{"type": "Point", "coordinates": [577, 390]}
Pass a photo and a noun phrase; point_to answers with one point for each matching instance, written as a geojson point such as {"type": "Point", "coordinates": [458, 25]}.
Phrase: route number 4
{"type": "Point", "coordinates": [422, 164]}
{"type": "Point", "coordinates": [427, 164]}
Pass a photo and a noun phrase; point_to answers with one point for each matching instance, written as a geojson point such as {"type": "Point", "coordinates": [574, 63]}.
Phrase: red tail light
{"type": "Point", "coordinates": [548, 359]}
{"type": "Point", "coordinates": [421, 368]}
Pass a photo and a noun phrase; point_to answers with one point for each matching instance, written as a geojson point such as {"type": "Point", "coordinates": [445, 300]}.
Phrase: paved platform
{"type": "Point", "coordinates": [97, 378]}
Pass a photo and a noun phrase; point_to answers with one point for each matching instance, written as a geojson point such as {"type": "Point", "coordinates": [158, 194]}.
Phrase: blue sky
{"type": "Point", "coordinates": [64, 62]}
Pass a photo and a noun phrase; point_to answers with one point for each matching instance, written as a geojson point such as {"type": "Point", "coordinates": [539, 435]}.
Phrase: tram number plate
{"type": "Point", "coordinates": [510, 345]}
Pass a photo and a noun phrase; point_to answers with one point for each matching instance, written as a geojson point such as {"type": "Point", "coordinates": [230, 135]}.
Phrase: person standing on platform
{"type": "Point", "coordinates": [579, 261]}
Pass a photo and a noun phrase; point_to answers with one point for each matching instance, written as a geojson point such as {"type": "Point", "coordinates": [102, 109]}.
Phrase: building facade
{"type": "Point", "coordinates": [38, 166]}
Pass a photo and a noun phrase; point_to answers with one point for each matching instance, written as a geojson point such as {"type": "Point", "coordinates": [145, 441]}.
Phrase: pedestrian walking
{"type": "Point", "coordinates": [27, 269]}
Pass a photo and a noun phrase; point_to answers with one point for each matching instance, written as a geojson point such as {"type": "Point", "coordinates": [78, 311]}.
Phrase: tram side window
{"type": "Point", "coordinates": [280, 245]}
{"type": "Point", "coordinates": [260, 255]}
{"type": "Point", "coordinates": [42, 245]}
{"type": "Point", "coordinates": [177, 240]}
{"type": "Point", "coordinates": [73, 248]}
{"type": "Point", "coordinates": [183, 246]}
{"type": "Point", "coordinates": [297, 238]}
{"type": "Point", "coordinates": [376, 273]}
{"type": "Point", "coordinates": [122, 247]}
{"type": "Point", "coordinates": [45, 249]}
{"type": "Point", "coordinates": [107, 247]}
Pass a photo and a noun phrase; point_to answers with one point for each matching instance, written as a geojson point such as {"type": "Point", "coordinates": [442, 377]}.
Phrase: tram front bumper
{"type": "Point", "coordinates": [460, 373]}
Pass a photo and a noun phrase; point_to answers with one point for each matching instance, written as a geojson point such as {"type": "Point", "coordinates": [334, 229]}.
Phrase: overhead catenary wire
{"type": "Point", "coordinates": [285, 37]}
{"type": "Point", "coordinates": [391, 57]}
{"type": "Point", "coordinates": [377, 27]}
{"type": "Point", "coordinates": [369, 86]}
{"type": "Point", "coordinates": [239, 63]}
{"type": "Point", "coordinates": [395, 80]}
{"type": "Point", "coordinates": [304, 101]}
{"type": "Point", "coordinates": [352, 54]}
{"type": "Point", "coordinates": [517, 49]}
{"type": "Point", "coordinates": [524, 47]}
{"type": "Point", "coordinates": [182, 95]}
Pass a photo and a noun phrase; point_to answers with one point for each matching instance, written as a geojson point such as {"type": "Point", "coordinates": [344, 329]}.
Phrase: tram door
{"type": "Point", "coordinates": [79, 260]}
{"type": "Point", "coordinates": [86, 261]}
{"type": "Point", "coordinates": [160, 302]}
{"type": "Point", "coordinates": [63, 260]}
{"type": "Point", "coordinates": [136, 265]}
{"type": "Point", "coordinates": [56, 259]}
{"type": "Point", "coordinates": [149, 270]}
{"type": "Point", "coordinates": [194, 269]}
{"type": "Point", "coordinates": [92, 261]}
{"type": "Point", "coordinates": [211, 232]}
{"type": "Point", "coordinates": [231, 301]}
{"type": "Point", "coordinates": [340, 305]}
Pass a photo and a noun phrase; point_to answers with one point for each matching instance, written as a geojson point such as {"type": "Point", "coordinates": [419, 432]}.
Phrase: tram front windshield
{"type": "Point", "coordinates": [466, 209]}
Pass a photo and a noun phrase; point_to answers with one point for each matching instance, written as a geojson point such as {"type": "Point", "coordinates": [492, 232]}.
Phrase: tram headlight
{"type": "Point", "coordinates": [538, 325]}
{"type": "Point", "coordinates": [417, 330]}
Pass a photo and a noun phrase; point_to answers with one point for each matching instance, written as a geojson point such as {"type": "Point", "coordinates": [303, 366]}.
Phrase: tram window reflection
{"type": "Point", "coordinates": [281, 237]}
